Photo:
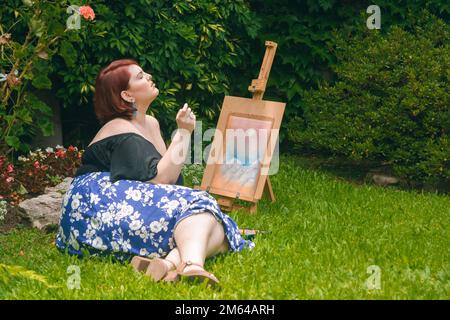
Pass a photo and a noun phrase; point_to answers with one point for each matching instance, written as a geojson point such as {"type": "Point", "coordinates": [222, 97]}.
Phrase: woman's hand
{"type": "Point", "coordinates": [186, 118]}
{"type": "Point", "coordinates": [170, 165]}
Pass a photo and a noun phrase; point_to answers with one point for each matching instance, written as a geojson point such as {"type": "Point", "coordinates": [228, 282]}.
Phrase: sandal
{"type": "Point", "coordinates": [140, 264]}
{"type": "Point", "coordinates": [201, 275]}
{"type": "Point", "coordinates": [154, 268]}
{"type": "Point", "coordinates": [172, 276]}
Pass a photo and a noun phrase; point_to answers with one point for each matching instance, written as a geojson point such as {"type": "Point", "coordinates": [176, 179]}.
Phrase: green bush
{"type": "Point", "coordinates": [30, 34]}
{"type": "Point", "coordinates": [390, 101]}
{"type": "Point", "coordinates": [304, 29]}
{"type": "Point", "coordinates": [189, 48]}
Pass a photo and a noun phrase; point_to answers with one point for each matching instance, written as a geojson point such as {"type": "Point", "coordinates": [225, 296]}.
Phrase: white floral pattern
{"type": "Point", "coordinates": [130, 217]}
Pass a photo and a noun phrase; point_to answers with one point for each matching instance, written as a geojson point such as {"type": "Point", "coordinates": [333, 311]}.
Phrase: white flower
{"type": "Point", "coordinates": [115, 246]}
{"type": "Point", "coordinates": [96, 223]}
{"type": "Point", "coordinates": [49, 149]}
{"type": "Point", "coordinates": [171, 243]}
{"type": "Point", "coordinates": [136, 224]}
{"type": "Point", "coordinates": [171, 206]}
{"type": "Point", "coordinates": [133, 194]}
{"type": "Point", "coordinates": [59, 147]}
{"type": "Point", "coordinates": [77, 196]}
{"type": "Point", "coordinates": [75, 204]}
{"type": "Point", "coordinates": [136, 215]}
{"type": "Point", "coordinates": [77, 215]}
{"type": "Point", "coordinates": [22, 158]}
{"type": "Point", "coordinates": [61, 233]}
{"type": "Point", "coordinates": [149, 193]}
{"type": "Point", "coordinates": [157, 226]}
{"type": "Point", "coordinates": [126, 245]}
{"type": "Point", "coordinates": [143, 252]}
{"type": "Point", "coordinates": [153, 255]}
{"type": "Point", "coordinates": [89, 233]}
{"type": "Point", "coordinates": [125, 210]}
{"type": "Point", "coordinates": [98, 244]}
{"type": "Point", "coordinates": [73, 241]}
{"type": "Point", "coordinates": [143, 233]}
{"type": "Point", "coordinates": [183, 202]}
{"type": "Point", "coordinates": [94, 198]}
{"type": "Point", "coordinates": [107, 218]}
{"type": "Point", "coordinates": [164, 199]}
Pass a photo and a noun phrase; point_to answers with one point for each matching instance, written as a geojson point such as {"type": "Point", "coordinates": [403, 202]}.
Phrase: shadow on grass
{"type": "Point", "coordinates": [361, 172]}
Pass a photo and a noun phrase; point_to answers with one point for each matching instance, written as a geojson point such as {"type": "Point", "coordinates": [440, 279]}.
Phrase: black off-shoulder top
{"type": "Point", "coordinates": [125, 155]}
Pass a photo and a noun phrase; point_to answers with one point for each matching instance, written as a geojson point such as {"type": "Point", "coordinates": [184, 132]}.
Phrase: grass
{"type": "Point", "coordinates": [325, 233]}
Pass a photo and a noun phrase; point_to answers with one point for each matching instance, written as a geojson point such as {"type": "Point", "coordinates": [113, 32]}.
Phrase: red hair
{"type": "Point", "coordinates": [111, 80]}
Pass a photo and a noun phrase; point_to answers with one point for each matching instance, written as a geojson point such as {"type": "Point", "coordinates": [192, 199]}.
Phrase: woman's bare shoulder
{"type": "Point", "coordinates": [113, 127]}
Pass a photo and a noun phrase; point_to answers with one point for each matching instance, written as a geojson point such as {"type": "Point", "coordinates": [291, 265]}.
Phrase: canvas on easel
{"type": "Point", "coordinates": [244, 143]}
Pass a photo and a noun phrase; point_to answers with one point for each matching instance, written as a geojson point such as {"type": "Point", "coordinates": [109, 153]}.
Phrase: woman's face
{"type": "Point", "coordinates": [141, 86]}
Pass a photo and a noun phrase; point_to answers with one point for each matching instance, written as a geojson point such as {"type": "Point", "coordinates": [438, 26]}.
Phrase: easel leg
{"type": "Point", "coordinates": [269, 190]}
{"type": "Point", "coordinates": [253, 208]}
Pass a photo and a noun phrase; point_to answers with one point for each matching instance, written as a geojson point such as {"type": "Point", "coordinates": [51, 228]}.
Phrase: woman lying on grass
{"type": "Point", "coordinates": [127, 197]}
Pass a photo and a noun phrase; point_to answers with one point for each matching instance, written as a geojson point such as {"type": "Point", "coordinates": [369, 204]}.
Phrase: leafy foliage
{"type": "Point", "coordinates": [31, 32]}
{"type": "Point", "coordinates": [304, 31]}
{"type": "Point", "coordinates": [188, 47]}
{"type": "Point", "coordinates": [389, 103]}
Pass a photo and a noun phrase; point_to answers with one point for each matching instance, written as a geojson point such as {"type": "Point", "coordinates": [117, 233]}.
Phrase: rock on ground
{"type": "Point", "coordinates": [44, 210]}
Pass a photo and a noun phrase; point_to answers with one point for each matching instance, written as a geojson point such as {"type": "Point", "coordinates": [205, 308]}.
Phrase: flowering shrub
{"type": "Point", "coordinates": [35, 172]}
{"type": "Point", "coordinates": [7, 180]}
{"type": "Point", "coordinates": [32, 33]}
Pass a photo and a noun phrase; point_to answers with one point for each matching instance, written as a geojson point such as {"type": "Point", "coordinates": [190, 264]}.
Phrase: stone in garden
{"type": "Point", "coordinates": [383, 180]}
{"type": "Point", "coordinates": [44, 210]}
{"type": "Point", "coordinates": [61, 188]}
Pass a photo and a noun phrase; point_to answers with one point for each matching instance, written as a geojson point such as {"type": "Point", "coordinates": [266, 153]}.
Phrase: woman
{"type": "Point", "coordinates": [127, 197]}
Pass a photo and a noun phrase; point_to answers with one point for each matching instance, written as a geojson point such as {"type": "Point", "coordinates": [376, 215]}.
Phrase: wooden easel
{"type": "Point", "coordinates": [257, 87]}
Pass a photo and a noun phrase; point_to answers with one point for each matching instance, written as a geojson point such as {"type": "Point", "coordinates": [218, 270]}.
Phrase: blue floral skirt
{"type": "Point", "coordinates": [129, 217]}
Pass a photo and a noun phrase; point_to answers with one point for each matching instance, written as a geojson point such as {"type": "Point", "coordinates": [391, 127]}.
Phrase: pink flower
{"type": "Point", "coordinates": [36, 164]}
{"type": "Point", "coordinates": [87, 12]}
{"type": "Point", "coordinates": [9, 179]}
{"type": "Point", "coordinates": [10, 168]}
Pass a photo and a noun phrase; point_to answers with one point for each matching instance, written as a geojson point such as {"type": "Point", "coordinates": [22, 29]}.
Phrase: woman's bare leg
{"type": "Point", "coordinates": [196, 238]}
{"type": "Point", "coordinates": [173, 258]}
{"type": "Point", "coordinates": [217, 243]}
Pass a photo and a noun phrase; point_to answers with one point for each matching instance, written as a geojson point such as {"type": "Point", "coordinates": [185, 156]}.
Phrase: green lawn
{"type": "Point", "coordinates": [325, 233]}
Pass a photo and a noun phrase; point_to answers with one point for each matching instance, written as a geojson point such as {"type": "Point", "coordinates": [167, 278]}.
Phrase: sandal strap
{"type": "Point", "coordinates": [184, 264]}
{"type": "Point", "coordinates": [174, 266]}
